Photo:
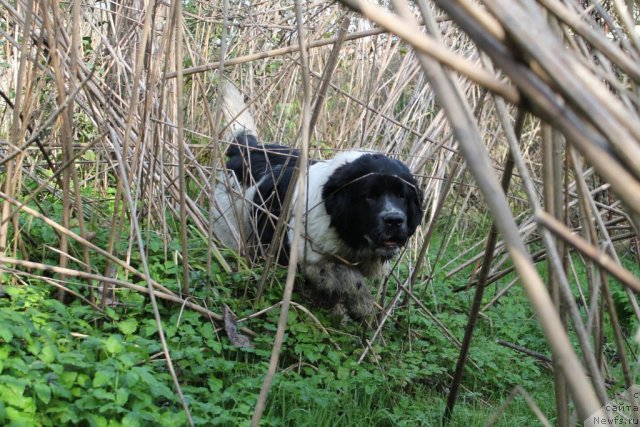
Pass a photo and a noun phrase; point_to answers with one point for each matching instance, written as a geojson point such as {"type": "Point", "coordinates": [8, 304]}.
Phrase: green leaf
{"type": "Point", "coordinates": [5, 333]}
{"type": "Point", "coordinates": [130, 420]}
{"type": "Point", "coordinates": [122, 395]}
{"type": "Point", "coordinates": [101, 393]}
{"type": "Point", "coordinates": [131, 378]}
{"type": "Point", "coordinates": [13, 394]}
{"type": "Point", "coordinates": [342, 373]}
{"type": "Point", "coordinates": [111, 313]}
{"type": "Point", "coordinates": [154, 244]}
{"type": "Point", "coordinates": [48, 354]}
{"type": "Point", "coordinates": [102, 377]}
{"type": "Point", "coordinates": [43, 391]}
{"type": "Point", "coordinates": [97, 420]}
{"type": "Point", "coordinates": [114, 344]}
{"type": "Point", "coordinates": [215, 384]}
{"type": "Point", "coordinates": [19, 418]}
{"type": "Point", "coordinates": [68, 378]}
{"type": "Point", "coordinates": [128, 326]}
{"type": "Point", "coordinates": [155, 387]}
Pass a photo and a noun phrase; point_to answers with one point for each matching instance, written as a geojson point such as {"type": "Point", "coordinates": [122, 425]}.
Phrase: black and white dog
{"type": "Point", "coordinates": [361, 208]}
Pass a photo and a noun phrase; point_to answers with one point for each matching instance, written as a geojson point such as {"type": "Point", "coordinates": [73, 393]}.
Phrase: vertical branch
{"type": "Point", "coordinates": [549, 165]}
{"type": "Point", "coordinates": [591, 236]}
{"type": "Point", "coordinates": [482, 279]}
{"type": "Point", "coordinates": [16, 129]}
{"type": "Point", "coordinates": [182, 186]}
{"type": "Point", "coordinates": [328, 71]}
{"type": "Point", "coordinates": [54, 29]}
{"type": "Point", "coordinates": [472, 148]}
{"type": "Point", "coordinates": [215, 142]}
{"type": "Point", "coordinates": [120, 26]}
{"type": "Point", "coordinates": [297, 227]}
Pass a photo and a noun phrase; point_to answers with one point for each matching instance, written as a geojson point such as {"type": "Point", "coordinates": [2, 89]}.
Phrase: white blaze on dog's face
{"type": "Point", "coordinates": [390, 224]}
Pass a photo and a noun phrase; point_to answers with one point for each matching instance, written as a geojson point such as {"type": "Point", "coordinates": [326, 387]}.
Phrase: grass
{"type": "Point", "coordinates": [67, 364]}
{"type": "Point", "coordinates": [63, 364]}
{"type": "Point", "coordinates": [59, 368]}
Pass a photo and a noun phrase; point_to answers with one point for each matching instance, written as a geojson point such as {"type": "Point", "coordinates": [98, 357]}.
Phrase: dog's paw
{"type": "Point", "coordinates": [340, 287]}
{"type": "Point", "coordinates": [358, 300]}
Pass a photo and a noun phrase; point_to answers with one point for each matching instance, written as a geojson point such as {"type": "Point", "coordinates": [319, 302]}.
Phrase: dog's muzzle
{"type": "Point", "coordinates": [391, 233]}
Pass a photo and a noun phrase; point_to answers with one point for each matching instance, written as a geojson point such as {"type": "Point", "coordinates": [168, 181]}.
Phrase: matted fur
{"type": "Point", "coordinates": [361, 208]}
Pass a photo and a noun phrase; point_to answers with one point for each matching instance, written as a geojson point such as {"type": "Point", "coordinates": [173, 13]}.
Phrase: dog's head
{"type": "Point", "coordinates": [374, 203]}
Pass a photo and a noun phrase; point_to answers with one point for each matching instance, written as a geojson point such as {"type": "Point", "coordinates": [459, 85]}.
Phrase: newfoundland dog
{"type": "Point", "coordinates": [361, 208]}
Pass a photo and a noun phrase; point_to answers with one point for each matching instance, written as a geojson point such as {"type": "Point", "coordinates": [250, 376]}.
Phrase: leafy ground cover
{"type": "Point", "coordinates": [64, 364]}
{"type": "Point", "coordinates": [72, 364]}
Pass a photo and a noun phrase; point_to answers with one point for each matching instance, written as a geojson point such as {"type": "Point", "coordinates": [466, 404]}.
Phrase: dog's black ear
{"type": "Point", "coordinates": [414, 208]}
{"type": "Point", "coordinates": [336, 197]}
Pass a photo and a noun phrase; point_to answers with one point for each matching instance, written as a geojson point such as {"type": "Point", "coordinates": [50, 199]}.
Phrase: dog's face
{"type": "Point", "coordinates": [374, 203]}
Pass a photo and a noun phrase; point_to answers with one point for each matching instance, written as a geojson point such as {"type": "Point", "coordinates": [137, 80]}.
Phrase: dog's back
{"type": "Point", "coordinates": [264, 172]}
{"type": "Point", "coordinates": [249, 160]}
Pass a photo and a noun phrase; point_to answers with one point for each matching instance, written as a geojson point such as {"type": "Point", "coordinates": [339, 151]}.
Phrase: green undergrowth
{"type": "Point", "coordinates": [70, 364]}
{"type": "Point", "coordinates": [67, 364]}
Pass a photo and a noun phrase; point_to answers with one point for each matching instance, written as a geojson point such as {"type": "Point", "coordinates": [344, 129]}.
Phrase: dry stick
{"type": "Point", "coordinates": [67, 146]}
{"type": "Point", "coordinates": [547, 104]}
{"type": "Point", "coordinates": [535, 354]}
{"type": "Point", "coordinates": [518, 390]}
{"type": "Point", "coordinates": [622, 181]}
{"type": "Point", "coordinates": [37, 141]}
{"type": "Point", "coordinates": [11, 175]}
{"type": "Point", "coordinates": [275, 52]}
{"type": "Point", "coordinates": [627, 22]}
{"type": "Point", "coordinates": [591, 234]}
{"type": "Point", "coordinates": [603, 229]}
{"type": "Point", "coordinates": [472, 148]}
{"type": "Point", "coordinates": [55, 43]}
{"type": "Point", "coordinates": [52, 282]}
{"type": "Point", "coordinates": [619, 340]}
{"type": "Point", "coordinates": [598, 40]}
{"type": "Point", "coordinates": [328, 72]}
{"type": "Point", "coordinates": [433, 223]}
{"type": "Point", "coordinates": [147, 273]}
{"type": "Point", "coordinates": [56, 171]}
{"type": "Point", "coordinates": [97, 277]}
{"type": "Point", "coordinates": [282, 51]}
{"type": "Point", "coordinates": [217, 127]}
{"type": "Point", "coordinates": [60, 229]}
{"type": "Point", "coordinates": [297, 228]}
{"type": "Point", "coordinates": [551, 192]}
{"type": "Point", "coordinates": [558, 110]}
{"type": "Point", "coordinates": [595, 254]}
{"type": "Point", "coordinates": [428, 46]}
{"type": "Point", "coordinates": [482, 280]}
{"type": "Point", "coordinates": [537, 256]}
{"type": "Point", "coordinates": [436, 212]}
{"type": "Point", "coordinates": [556, 263]}
{"type": "Point", "coordinates": [448, 335]}
{"type": "Point", "coordinates": [598, 105]}
{"type": "Point", "coordinates": [118, 220]}
{"type": "Point", "coordinates": [176, 19]}
{"type": "Point", "coordinates": [386, 313]}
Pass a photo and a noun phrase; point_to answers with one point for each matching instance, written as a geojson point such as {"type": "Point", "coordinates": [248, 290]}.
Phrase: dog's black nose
{"type": "Point", "coordinates": [393, 219]}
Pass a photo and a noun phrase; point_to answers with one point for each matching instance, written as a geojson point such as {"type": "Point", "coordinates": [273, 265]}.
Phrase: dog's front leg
{"type": "Point", "coordinates": [333, 284]}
